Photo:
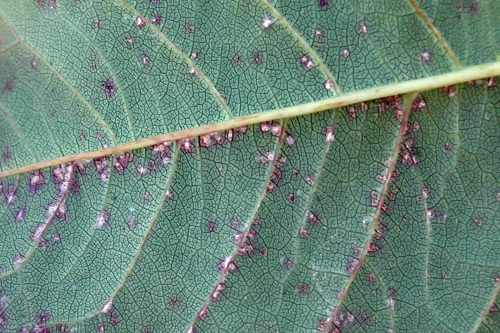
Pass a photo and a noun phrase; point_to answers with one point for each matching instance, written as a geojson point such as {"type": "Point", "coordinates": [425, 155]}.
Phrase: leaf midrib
{"type": "Point", "coordinates": [400, 88]}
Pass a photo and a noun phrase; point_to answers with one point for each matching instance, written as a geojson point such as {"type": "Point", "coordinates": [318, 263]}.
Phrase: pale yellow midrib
{"type": "Point", "coordinates": [399, 88]}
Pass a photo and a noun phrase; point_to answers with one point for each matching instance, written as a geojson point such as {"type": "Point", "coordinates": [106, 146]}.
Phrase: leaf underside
{"type": "Point", "coordinates": [377, 217]}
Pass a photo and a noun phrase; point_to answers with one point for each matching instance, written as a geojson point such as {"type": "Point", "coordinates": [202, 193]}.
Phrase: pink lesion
{"type": "Point", "coordinates": [7, 155]}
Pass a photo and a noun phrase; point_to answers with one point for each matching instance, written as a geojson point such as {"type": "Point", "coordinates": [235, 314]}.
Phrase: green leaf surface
{"type": "Point", "coordinates": [381, 216]}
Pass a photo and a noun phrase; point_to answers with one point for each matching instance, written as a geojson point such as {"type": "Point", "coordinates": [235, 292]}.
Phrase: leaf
{"type": "Point", "coordinates": [252, 169]}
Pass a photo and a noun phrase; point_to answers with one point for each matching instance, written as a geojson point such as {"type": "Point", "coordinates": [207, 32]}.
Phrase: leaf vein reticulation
{"type": "Point", "coordinates": [428, 240]}
{"type": "Point", "coordinates": [306, 210]}
{"type": "Point", "coordinates": [116, 82]}
{"type": "Point", "coordinates": [2, 214]}
{"type": "Point", "coordinates": [378, 213]}
{"type": "Point", "coordinates": [152, 223]}
{"type": "Point", "coordinates": [249, 223]}
{"type": "Point", "coordinates": [77, 93]}
{"type": "Point", "coordinates": [309, 50]}
{"type": "Point", "coordinates": [435, 32]}
{"type": "Point", "coordinates": [379, 50]}
{"type": "Point", "coordinates": [185, 58]}
{"type": "Point", "coordinates": [377, 275]}
{"type": "Point", "coordinates": [20, 134]}
{"type": "Point", "coordinates": [481, 320]}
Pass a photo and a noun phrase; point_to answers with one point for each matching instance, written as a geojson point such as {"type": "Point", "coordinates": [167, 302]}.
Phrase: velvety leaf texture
{"type": "Point", "coordinates": [380, 216]}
